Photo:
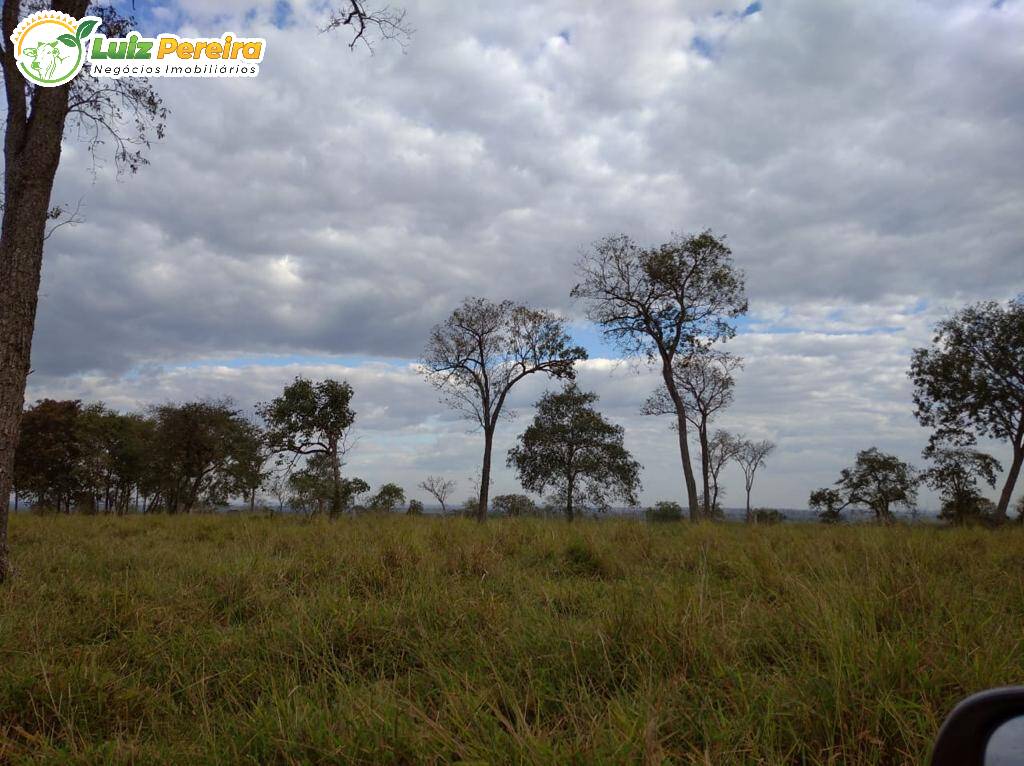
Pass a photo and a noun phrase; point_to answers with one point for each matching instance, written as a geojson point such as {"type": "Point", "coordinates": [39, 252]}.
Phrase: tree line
{"type": "Point", "coordinates": [673, 306]}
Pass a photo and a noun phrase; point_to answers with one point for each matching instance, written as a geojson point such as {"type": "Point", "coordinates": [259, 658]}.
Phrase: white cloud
{"type": "Point", "coordinates": [864, 158]}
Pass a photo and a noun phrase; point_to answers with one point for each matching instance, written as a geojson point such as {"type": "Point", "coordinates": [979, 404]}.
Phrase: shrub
{"type": "Point", "coordinates": [767, 516]}
{"type": "Point", "coordinates": [389, 497]}
{"type": "Point", "coordinates": [666, 510]}
{"type": "Point", "coordinates": [415, 508]}
{"type": "Point", "coordinates": [514, 505]}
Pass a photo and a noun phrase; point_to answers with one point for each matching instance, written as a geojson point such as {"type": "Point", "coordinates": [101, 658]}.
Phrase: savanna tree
{"type": "Point", "coordinates": [570, 448]}
{"type": "Point", "coordinates": [388, 497]}
{"type": "Point", "coordinates": [122, 113]}
{"type": "Point", "coordinates": [751, 456]}
{"type": "Point", "coordinates": [664, 303]}
{"type": "Point", "coordinates": [954, 474]}
{"type": "Point", "coordinates": [970, 382]}
{"type": "Point", "coordinates": [312, 419]}
{"type": "Point", "coordinates": [877, 481]}
{"type": "Point", "coordinates": [722, 449]}
{"type": "Point", "coordinates": [477, 355]}
{"type": "Point", "coordinates": [705, 382]}
{"type": "Point", "coordinates": [440, 489]}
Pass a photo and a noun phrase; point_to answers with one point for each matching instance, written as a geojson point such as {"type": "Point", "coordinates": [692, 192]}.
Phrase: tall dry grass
{"type": "Point", "coordinates": [423, 640]}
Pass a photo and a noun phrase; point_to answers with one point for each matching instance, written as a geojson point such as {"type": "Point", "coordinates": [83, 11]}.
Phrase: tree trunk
{"type": "Point", "coordinates": [750, 515]}
{"type": "Point", "coordinates": [252, 501]}
{"type": "Point", "coordinates": [705, 468]}
{"type": "Point", "coordinates": [569, 510]}
{"type": "Point", "coordinates": [485, 475]}
{"type": "Point", "coordinates": [684, 446]}
{"type": "Point", "coordinates": [1011, 481]}
{"type": "Point", "coordinates": [336, 476]}
{"type": "Point", "coordinates": [31, 157]}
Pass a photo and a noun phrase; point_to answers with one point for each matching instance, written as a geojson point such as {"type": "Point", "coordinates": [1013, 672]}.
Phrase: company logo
{"type": "Point", "coordinates": [52, 47]}
{"type": "Point", "coordinates": [49, 46]}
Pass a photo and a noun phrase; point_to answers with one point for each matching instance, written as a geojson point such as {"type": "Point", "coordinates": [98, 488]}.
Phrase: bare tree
{"type": "Point", "coordinates": [706, 384]}
{"type": "Point", "coordinates": [751, 456]}
{"type": "Point", "coordinates": [664, 303]}
{"type": "Point", "coordinates": [386, 23]}
{"type": "Point", "coordinates": [124, 113]}
{"type": "Point", "coordinates": [482, 350]}
{"type": "Point", "coordinates": [722, 449]}
{"type": "Point", "coordinates": [441, 489]}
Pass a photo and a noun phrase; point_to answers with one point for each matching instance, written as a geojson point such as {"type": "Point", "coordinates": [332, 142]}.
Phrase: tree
{"type": "Point", "coordinates": [415, 508]}
{"type": "Point", "coordinates": [666, 510]}
{"type": "Point", "coordinates": [970, 383]}
{"type": "Point", "coordinates": [722, 448]}
{"type": "Point", "coordinates": [877, 481]}
{"type": "Point", "coordinates": [388, 497]}
{"type": "Point", "coordinates": [751, 456]}
{"type": "Point", "coordinates": [514, 506]}
{"type": "Point", "coordinates": [441, 489]}
{"type": "Point", "coordinates": [248, 466]}
{"type": "Point", "coordinates": [122, 113]}
{"type": "Point", "coordinates": [828, 503]}
{"type": "Point", "coordinates": [48, 461]}
{"type": "Point", "coordinates": [476, 356]}
{"type": "Point", "coordinates": [954, 474]}
{"type": "Point", "coordinates": [663, 303]}
{"type": "Point", "coordinates": [705, 383]}
{"type": "Point", "coordinates": [573, 450]}
{"type": "Point", "coordinates": [196, 443]}
{"type": "Point", "coordinates": [312, 419]}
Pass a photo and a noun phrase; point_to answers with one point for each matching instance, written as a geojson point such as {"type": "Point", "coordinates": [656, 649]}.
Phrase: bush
{"type": "Point", "coordinates": [514, 506]}
{"type": "Point", "coordinates": [415, 508]}
{"type": "Point", "coordinates": [666, 510]}
{"type": "Point", "coordinates": [389, 497]}
{"type": "Point", "coordinates": [767, 516]}
{"type": "Point", "coordinates": [967, 510]}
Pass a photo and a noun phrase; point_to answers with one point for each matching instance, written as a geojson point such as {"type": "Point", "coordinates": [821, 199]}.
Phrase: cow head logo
{"type": "Point", "coordinates": [49, 46]}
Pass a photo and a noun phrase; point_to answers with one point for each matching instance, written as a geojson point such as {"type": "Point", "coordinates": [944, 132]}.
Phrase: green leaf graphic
{"type": "Point", "coordinates": [85, 28]}
{"type": "Point", "coordinates": [68, 40]}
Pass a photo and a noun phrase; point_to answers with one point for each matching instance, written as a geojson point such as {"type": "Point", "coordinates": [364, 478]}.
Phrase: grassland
{"type": "Point", "coordinates": [418, 640]}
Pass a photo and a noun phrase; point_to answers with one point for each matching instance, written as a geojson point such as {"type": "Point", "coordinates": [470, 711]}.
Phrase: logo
{"type": "Point", "coordinates": [49, 46]}
{"type": "Point", "coordinates": [52, 47]}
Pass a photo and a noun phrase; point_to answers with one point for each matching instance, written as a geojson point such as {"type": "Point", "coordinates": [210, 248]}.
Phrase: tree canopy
{"type": "Point", "coordinates": [970, 382]}
{"type": "Point", "coordinates": [477, 355]}
{"type": "Point", "coordinates": [660, 303]}
{"type": "Point", "coordinates": [570, 448]}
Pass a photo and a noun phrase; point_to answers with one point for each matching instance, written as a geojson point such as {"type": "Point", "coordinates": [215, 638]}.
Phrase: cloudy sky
{"type": "Point", "coordinates": [865, 159]}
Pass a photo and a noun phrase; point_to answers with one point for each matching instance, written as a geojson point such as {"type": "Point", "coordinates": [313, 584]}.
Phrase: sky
{"type": "Point", "coordinates": [864, 158]}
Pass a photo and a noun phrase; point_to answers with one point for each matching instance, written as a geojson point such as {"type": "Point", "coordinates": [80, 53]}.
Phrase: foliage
{"type": "Point", "coordinates": [415, 508]}
{"type": "Point", "coordinates": [197, 444]}
{"type": "Point", "coordinates": [663, 303]}
{"type": "Point", "coordinates": [828, 503]}
{"type": "Point", "coordinates": [570, 448]}
{"type": "Point", "coordinates": [970, 383]}
{"type": "Point", "coordinates": [876, 481]}
{"type": "Point", "coordinates": [954, 474]}
{"type": "Point", "coordinates": [666, 510]}
{"type": "Point", "coordinates": [767, 516]}
{"type": "Point", "coordinates": [388, 497]}
{"type": "Point", "coordinates": [312, 419]}
{"type": "Point", "coordinates": [514, 506]}
{"type": "Point", "coordinates": [477, 355]}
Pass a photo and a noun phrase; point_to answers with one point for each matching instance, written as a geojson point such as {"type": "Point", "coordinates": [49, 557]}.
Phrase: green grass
{"type": "Point", "coordinates": [419, 640]}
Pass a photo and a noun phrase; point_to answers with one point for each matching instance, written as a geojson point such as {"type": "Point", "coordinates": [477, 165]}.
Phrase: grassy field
{"type": "Point", "coordinates": [419, 640]}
